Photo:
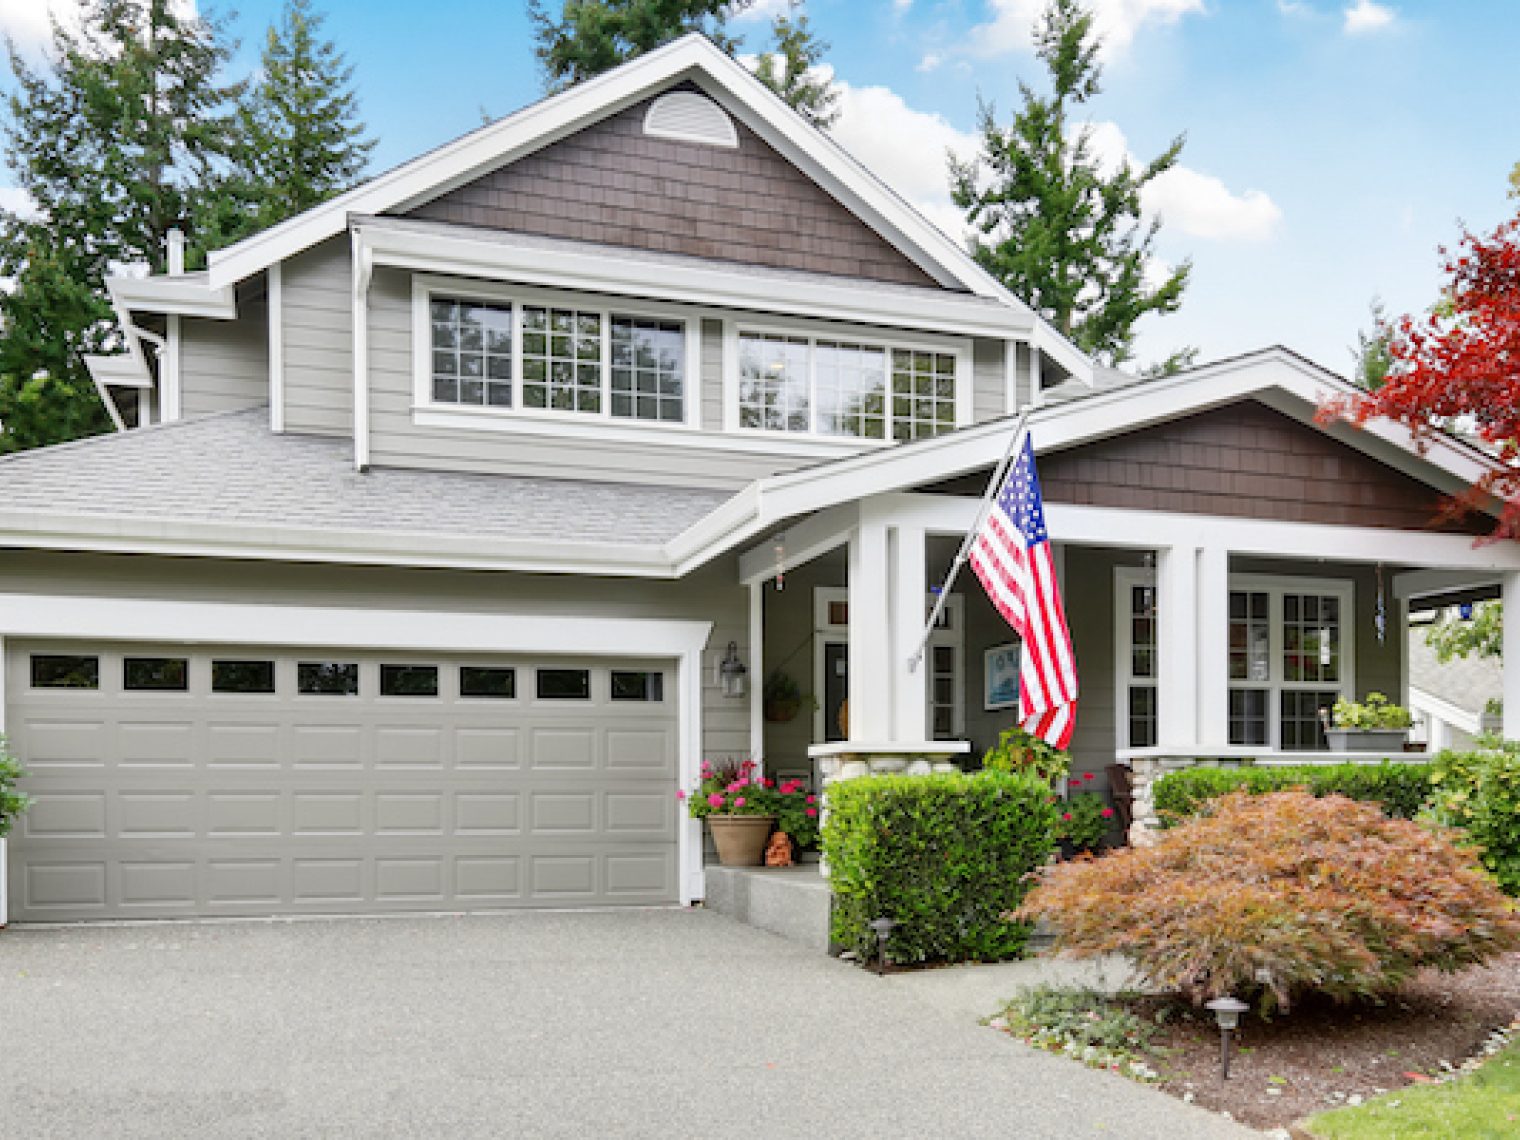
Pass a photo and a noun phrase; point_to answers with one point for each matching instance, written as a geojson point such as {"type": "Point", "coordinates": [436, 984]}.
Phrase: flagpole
{"type": "Point", "coordinates": [999, 473]}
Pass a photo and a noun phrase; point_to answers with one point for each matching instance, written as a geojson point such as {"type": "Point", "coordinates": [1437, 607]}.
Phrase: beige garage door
{"type": "Point", "coordinates": [172, 781]}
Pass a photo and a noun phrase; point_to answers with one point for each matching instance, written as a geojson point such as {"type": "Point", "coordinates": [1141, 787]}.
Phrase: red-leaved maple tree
{"type": "Point", "coordinates": [1458, 367]}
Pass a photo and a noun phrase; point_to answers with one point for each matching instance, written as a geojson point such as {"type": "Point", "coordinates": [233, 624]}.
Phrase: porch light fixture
{"type": "Point", "coordinates": [883, 928]}
{"type": "Point", "coordinates": [1227, 1011]}
{"type": "Point", "coordinates": [732, 672]}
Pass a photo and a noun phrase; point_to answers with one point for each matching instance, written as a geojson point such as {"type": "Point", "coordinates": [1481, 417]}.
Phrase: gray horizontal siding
{"type": "Point", "coordinates": [709, 595]}
{"type": "Point", "coordinates": [989, 396]}
{"type": "Point", "coordinates": [317, 323]}
{"type": "Point", "coordinates": [224, 365]}
{"type": "Point", "coordinates": [712, 375]}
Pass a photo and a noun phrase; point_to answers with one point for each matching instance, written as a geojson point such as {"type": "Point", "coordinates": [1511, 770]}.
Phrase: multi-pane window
{"type": "Point", "coordinates": [1288, 649]}
{"type": "Point", "coordinates": [542, 357]}
{"type": "Point", "coordinates": [923, 393]}
{"type": "Point", "coordinates": [561, 359]}
{"type": "Point", "coordinates": [647, 356]}
{"type": "Point", "coordinates": [1311, 637]}
{"type": "Point", "coordinates": [472, 353]}
{"type": "Point", "coordinates": [1141, 686]}
{"type": "Point", "coordinates": [774, 383]}
{"type": "Point", "coordinates": [841, 388]}
{"type": "Point", "coordinates": [944, 682]}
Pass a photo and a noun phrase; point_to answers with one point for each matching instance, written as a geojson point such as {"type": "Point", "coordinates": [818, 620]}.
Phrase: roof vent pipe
{"type": "Point", "coordinates": [176, 243]}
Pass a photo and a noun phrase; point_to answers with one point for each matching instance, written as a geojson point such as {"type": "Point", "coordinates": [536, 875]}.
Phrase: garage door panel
{"type": "Point", "coordinates": [165, 805]}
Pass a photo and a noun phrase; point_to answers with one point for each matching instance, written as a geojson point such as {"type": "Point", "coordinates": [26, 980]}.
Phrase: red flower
{"type": "Point", "coordinates": [1066, 816]}
{"type": "Point", "coordinates": [812, 799]}
{"type": "Point", "coordinates": [1088, 777]}
{"type": "Point", "coordinates": [811, 811]}
{"type": "Point", "coordinates": [1107, 813]}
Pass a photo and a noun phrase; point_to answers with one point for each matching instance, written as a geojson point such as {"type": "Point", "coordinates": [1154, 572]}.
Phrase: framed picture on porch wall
{"type": "Point", "coordinates": [1000, 677]}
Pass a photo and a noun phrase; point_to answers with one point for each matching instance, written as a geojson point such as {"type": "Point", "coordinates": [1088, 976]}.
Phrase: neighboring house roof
{"type": "Point", "coordinates": [227, 479]}
{"type": "Point", "coordinates": [1468, 683]}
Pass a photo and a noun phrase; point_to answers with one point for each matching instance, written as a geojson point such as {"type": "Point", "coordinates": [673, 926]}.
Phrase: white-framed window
{"type": "Point", "coordinates": [843, 382]}
{"type": "Point", "coordinates": [944, 663]}
{"type": "Point", "coordinates": [1291, 655]}
{"type": "Point", "coordinates": [539, 353]}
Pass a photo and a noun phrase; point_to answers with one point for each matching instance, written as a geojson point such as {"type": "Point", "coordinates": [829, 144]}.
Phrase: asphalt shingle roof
{"type": "Point", "coordinates": [230, 468]}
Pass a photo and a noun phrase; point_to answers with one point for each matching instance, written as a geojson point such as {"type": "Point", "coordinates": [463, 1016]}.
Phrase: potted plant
{"type": "Point", "coordinates": [1373, 725]}
{"type": "Point", "coordinates": [1023, 752]}
{"type": "Point", "coordinates": [783, 697]}
{"type": "Point", "coordinates": [12, 804]}
{"type": "Point", "coordinates": [742, 808]}
{"type": "Point", "coordinates": [1082, 822]}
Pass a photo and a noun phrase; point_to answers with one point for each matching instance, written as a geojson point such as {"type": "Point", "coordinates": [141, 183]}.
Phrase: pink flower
{"type": "Point", "coordinates": [734, 787]}
{"type": "Point", "coordinates": [743, 781]}
{"type": "Point", "coordinates": [1107, 813]}
{"type": "Point", "coordinates": [1066, 816]}
{"type": "Point", "coordinates": [812, 799]}
{"type": "Point", "coordinates": [811, 811]}
{"type": "Point", "coordinates": [738, 801]}
{"type": "Point", "coordinates": [715, 800]}
{"type": "Point", "coordinates": [680, 793]}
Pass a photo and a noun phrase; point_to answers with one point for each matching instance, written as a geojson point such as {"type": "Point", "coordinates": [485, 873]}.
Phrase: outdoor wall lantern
{"type": "Point", "coordinates": [883, 928]}
{"type": "Point", "coordinates": [1227, 1011]}
{"type": "Point", "coordinates": [732, 672]}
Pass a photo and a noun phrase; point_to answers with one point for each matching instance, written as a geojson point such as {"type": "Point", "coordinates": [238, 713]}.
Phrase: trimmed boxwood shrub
{"type": "Point", "coordinates": [946, 856]}
{"type": "Point", "coordinates": [1399, 789]}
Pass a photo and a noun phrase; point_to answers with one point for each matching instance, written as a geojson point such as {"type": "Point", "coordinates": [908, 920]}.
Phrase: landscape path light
{"type": "Point", "coordinates": [1227, 1011]}
{"type": "Point", "coordinates": [883, 928]}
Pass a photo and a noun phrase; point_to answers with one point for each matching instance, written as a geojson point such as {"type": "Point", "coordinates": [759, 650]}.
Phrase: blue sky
{"type": "Point", "coordinates": [1333, 145]}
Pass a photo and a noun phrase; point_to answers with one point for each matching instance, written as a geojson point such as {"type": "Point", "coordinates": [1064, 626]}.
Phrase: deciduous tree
{"type": "Point", "coordinates": [1049, 220]}
{"type": "Point", "coordinates": [593, 36]}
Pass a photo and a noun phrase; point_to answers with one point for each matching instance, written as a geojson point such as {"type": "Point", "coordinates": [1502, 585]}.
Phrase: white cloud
{"type": "Point", "coordinates": [1365, 17]}
{"type": "Point", "coordinates": [930, 62]}
{"type": "Point", "coordinates": [28, 21]}
{"type": "Point", "coordinates": [1012, 25]}
{"type": "Point", "coordinates": [764, 10]}
{"type": "Point", "coordinates": [17, 201]}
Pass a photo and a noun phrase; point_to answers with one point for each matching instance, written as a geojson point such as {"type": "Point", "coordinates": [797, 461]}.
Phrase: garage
{"type": "Point", "coordinates": [174, 780]}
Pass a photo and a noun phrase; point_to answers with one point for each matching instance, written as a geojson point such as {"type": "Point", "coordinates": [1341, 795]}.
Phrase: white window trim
{"type": "Point", "coordinates": [1125, 579]}
{"type": "Point", "coordinates": [826, 633]}
{"type": "Point", "coordinates": [1275, 586]}
{"type": "Point", "coordinates": [428, 411]}
{"type": "Point", "coordinates": [886, 339]}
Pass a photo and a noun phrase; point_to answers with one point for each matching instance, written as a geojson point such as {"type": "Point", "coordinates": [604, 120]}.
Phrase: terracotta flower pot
{"type": "Point", "coordinates": [779, 710]}
{"type": "Point", "coordinates": [741, 839]}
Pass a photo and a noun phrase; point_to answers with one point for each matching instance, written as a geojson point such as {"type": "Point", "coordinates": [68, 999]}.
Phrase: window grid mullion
{"type": "Point", "coordinates": [606, 365]}
{"type": "Point", "coordinates": [517, 356]}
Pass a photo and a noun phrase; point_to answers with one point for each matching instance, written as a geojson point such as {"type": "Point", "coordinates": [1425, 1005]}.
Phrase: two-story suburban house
{"type": "Point", "coordinates": [441, 517]}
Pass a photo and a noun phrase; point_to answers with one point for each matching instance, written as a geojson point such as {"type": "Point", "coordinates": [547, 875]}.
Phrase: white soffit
{"type": "Point", "coordinates": [688, 117]}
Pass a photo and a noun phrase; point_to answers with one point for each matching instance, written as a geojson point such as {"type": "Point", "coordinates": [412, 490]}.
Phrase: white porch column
{"type": "Point", "coordinates": [1177, 646]}
{"type": "Point", "coordinates": [910, 718]}
{"type": "Point", "coordinates": [870, 672]}
{"type": "Point", "coordinates": [1509, 586]}
{"type": "Point", "coordinates": [757, 673]}
{"type": "Point", "coordinates": [1213, 646]}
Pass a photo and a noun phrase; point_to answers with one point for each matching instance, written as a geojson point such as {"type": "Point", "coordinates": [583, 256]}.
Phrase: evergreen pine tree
{"type": "Point", "coordinates": [115, 140]}
{"type": "Point", "coordinates": [301, 138]}
{"type": "Point", "coordinates": [790, 69]}
{"type": "Point", "coordinates": [593, 36]}
{"type": "Point", "coordinates": [1048, 221]}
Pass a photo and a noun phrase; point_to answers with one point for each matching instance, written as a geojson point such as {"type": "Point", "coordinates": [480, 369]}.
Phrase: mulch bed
{"type": "Point", "coordinates": [1323, 1055]}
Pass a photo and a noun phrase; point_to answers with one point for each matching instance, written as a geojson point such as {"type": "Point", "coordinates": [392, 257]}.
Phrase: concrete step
{"type": "Point", "coordinates": [793, 902]}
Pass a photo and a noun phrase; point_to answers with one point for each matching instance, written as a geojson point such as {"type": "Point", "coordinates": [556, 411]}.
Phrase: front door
{"type": "Point", "coordinates": [836, 687]}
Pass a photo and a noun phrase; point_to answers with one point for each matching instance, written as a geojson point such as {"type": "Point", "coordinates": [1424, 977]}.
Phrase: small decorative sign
{"type": "Point", "coordinates": [1000, 677]}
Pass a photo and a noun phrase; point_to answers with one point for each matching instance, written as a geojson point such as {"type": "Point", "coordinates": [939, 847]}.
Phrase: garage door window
{"type": "Point", "coordinates": [155, 674]}
{"type": "Point", "coordinates": [564, 684]}
{"type": "Point", "coordinates": [629, 686]}
{"type": "Point", "coordinates": [242, 676]}
{"type": "Point", "coordinates": [408, 680]}
{"type": "Point", "coordinates": [55, 671]}
{"type": "Point", "coordinates": [328, 678]}
{"type": "Point", "coordinates": [486, 682]}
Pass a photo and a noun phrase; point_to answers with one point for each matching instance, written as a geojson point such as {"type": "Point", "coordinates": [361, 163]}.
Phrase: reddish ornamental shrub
{"type": "Point", "coordinates": [1277, 895]}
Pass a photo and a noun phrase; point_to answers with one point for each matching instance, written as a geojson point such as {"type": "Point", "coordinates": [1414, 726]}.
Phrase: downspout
{"type": "Point", "coordinates": [364, 271]}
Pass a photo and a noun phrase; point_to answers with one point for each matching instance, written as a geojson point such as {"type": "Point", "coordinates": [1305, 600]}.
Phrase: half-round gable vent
{"type": "Point", "coordinates": [690, 117]}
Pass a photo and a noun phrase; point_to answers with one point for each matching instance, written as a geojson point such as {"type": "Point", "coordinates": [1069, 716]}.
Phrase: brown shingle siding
{"type": "Point", "coordinates": [612, 184]}
{"type": "Point", "coordinates": [1246, 460]}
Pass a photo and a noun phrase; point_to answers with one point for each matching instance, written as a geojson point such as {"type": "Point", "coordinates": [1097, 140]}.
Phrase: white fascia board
{"type": "Point", "coordinates": [691, 57]}
{"type": "Point", "coordinates": [709, 286]}
{"type": "Point", "coordinates": [1054, 345]}
{"type": "Point", "coordinates": [181, 296]}
{"type": "Point", "coordinates": [178, 538]}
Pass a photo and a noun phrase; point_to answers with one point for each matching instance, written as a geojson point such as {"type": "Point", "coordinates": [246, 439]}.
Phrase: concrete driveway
{"type": "Point", "coordinates": [660, 1023]}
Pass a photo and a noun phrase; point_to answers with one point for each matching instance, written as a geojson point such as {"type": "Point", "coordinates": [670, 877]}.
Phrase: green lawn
{"type": "Point", "coordinates": [1483, 1105]}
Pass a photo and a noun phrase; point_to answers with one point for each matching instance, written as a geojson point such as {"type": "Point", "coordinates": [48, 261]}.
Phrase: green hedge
{"type": "Point", "coordinates": [1400, 789]}
{"type": "Point", "coordinates": [1479, 792]}
{"type": "Point", "coordinates": [946, 856]}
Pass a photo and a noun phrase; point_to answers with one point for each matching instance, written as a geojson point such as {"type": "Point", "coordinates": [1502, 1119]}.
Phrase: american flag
{"type": "Point", "coordinates": [1011, 555]}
